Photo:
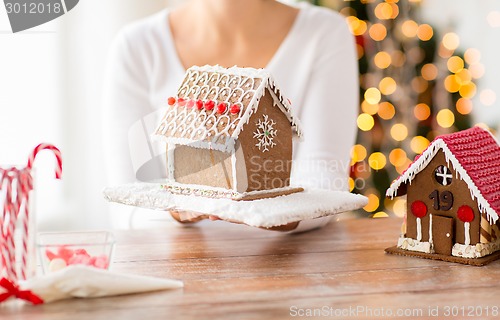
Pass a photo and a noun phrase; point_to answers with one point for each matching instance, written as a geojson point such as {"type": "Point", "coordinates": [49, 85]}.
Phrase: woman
{"type": "Point", "coordinates": [309, 51]}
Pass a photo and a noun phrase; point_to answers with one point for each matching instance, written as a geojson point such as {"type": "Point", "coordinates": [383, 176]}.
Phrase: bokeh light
{"type": "Point", "coordinates": [382, 60]}
{"type": "Point", "coordinates": [402, 168]}
{"type": "Point", "coordinates": [464, 76]}
{"type": "Point", "coordinates": [419, 84]}
{"type": "Point", "coordinates": [468, 90]}
{"type": "Point", "coordinates": [451, 41]}
{"type": "Point", "coordinates": [399, 208]}
{"type": "Point", "coordinates": [464, 106]}
{"type": "Point", "coordinates": [418, 144]}
{"type": "Point", "coordinates": [421, 111]}
{"type": "Point", "coordinates": [445, 118]}
{"type": "Point", "coordinates": [425, 32]}
{"type": "Point", "coordinates": [397, 157]}
{"type": "Point", "coordinates": [452, 83]}
{"type": "Point", "coordinates": [409, 28]}
{"type": "Point", "coordinates": [487, 97]}
{"type": "Point", "coordinates": [455, 64]}
{"type": "Point", "coordinates": [476, 70]}
{"type": "Point", "coordinates": [429, 71]}
{"type": "Point", "coordinates": [358, 153]}
{"type": "Point", "coordinates": [365, 122]}
{"type": "Point", "coordinates": [399, 132]}
{"type": "Point", "coordinates": [377, 160]}
{"type": "Point", "coordinates": [387, 86]}
{"type": "Point", "coordinates": [372, 95]}
{"type": "Point", "coordinates": [360, 51]}
{"type": "Point", "coordinates": [381, 214]}
{"type": "Point", "coordinates": [351, 184]}
{"type": "Point", "coordinates": [371, 109]}
{"type": "Point", "coordinates": [398, 58]}
{"type": "Point", "coordinates": [378, 32]}
{"type": "Point", "coordinates": [472, 56]}
{"type": "Point", "coordinates": [384, 11]}
{"type": "Point", "coordinates": [358, 27]}
{"type": "Point", "coordinates": [373, 203]}
{"type": "Point", "coordinates": [386, 110]}
{"type": "Point", "coordinates": [493, 19]}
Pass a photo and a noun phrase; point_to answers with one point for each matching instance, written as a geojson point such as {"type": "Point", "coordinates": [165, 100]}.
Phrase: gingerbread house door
{"type": "Point", "coordinates": [442, 234]}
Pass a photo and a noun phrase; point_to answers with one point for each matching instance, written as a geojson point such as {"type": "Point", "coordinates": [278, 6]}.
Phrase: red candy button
{"type": "Point", "coordinates": [221, 108]}
{"type": "Point", "coordinates": [209, 105]}
{"type": "Point", "coordinates": [199, 104]}
{"type": "Point", "coordinates": [419, 209]}
{"type": "Point", "coordinates": [171, 101]}
{"type": "Point", "coordinates": [235, 109]}
{"type": "Point", "coordinates": [190, 104]}
{"type": "Point", "coordinates": [181, 101]}
{"type": "Point", "coordinates": [465, 214]}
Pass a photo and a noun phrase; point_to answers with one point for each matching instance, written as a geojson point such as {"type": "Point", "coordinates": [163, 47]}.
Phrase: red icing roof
{"type": "Point", "coordinates": [479, 154]}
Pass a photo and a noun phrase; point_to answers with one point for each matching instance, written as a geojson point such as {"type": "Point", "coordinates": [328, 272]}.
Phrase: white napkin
{"type": "Point", "coordinates": [80, 281]}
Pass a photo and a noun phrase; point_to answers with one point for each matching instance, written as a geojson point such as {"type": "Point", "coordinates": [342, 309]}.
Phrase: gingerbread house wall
{"type": "Point", "coordinates": [423, 185]}
{"type": "Point", "coordinates": [269, 169]}
{"type": "Point", "coordinates": [201, 166]}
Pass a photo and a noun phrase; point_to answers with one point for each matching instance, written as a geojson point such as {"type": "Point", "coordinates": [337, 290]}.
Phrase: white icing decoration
{"type": "Point", "coordinates": [240, 179]}
{"type": "Point", "coordinates": [467, 233]}
{"type": "Point", "coordinates": [419, 229]}
{"type": "Point", "coordinates": [265, 134]}
{"type": "Point", "coordinates": [475, 251]}
{"type": "Point", "coordinates": [241, 86]}
{"type": "Point", "coordinates": [171, 160]}
{"type": "Point", "coordinates": [269, 212]}
{"type": "Point", "coordinates": [430, 229]}
{"type": "Point", "coordinates": [415, 245]}
{"type": "Point", "coordinates": [444, 176]}
{"type": "Point", "coordinates": [215, 192]}
{"type": "Point", "coordinates": [422, 162]}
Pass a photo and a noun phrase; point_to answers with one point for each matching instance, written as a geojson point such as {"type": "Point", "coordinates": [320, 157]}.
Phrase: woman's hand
{"type": "Point", "coordinates": [177, 215]}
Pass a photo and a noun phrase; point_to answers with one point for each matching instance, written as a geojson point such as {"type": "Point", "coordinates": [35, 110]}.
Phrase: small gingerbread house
{"type": "Point", "coordinates": [228, 132]}
{"type": "Point", "coordinates": [453, 198]}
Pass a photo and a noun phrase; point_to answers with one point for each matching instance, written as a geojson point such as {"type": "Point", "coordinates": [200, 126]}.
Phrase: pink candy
{"type": "Point", "coordinates": [78, 256]}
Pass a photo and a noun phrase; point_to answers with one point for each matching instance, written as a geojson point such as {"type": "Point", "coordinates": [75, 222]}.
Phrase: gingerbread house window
{"type": "Point", "coordinates": [443, 175]}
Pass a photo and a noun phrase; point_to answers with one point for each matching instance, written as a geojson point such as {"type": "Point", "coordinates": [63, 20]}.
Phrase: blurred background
{"type": "Point", "coordinates": [426, 68]}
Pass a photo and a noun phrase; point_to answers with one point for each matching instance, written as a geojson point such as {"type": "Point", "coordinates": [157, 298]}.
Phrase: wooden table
{"type": "Point", "coordinates": [238, 272]}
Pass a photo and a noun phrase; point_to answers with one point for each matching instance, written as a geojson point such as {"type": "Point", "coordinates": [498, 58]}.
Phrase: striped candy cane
{"type": "Point", "coordinates": [8, 224]}
{"type": "Point", "coordinates": [24, 186]}
{"type": "Point", "coordinates": [55, 150]}
{"type": "Point", "coordinates": [16, 210]}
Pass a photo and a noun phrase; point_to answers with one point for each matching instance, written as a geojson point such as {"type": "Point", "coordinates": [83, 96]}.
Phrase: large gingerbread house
{"type": "Point", "coordinates": [229, 134]}
{"type": "Point", "coordinates": [453, 199]}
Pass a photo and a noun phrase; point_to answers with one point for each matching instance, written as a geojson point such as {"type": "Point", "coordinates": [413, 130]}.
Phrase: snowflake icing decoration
{"type": "Point", "coordinates": [265, 134]}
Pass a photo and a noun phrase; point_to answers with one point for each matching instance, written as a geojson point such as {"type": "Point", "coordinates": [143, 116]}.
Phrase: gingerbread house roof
{"type": "Point", "coordinates": [213, 104]}
{"type": "Point", "coordinates": [475, 156]}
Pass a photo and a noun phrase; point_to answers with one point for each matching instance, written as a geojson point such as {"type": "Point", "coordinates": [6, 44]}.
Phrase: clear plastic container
{"type": "Point", "coordinates": [58, 250]}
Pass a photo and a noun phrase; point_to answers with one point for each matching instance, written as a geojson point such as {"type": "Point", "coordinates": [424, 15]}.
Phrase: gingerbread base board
{"type": "Point", "coordinates": [434, 256]}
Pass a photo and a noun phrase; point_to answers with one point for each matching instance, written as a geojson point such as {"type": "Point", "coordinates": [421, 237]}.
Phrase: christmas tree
{"type": "Point", "coordinates": [415, 84]}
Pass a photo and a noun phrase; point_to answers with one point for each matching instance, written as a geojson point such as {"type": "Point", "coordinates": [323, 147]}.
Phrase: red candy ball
{"type": "Point", "coordinates": [419, 209]}
{"type": "Point", "coordinates": [181, 101]}
{"type": "Point", "coordinates": [209, 105]}
{"type": "Point", "coordinates": [199, 104]}
{"type": "Point", "coordinates": [190, 103]}
{"type": "Point", "coordinates": [221, 108]}
{"type": "Point", "coordinates": [235, 109]}
{"type": "Point", "coordinates": [171, 101]}
{"type": "Point", "coordinates": [465, 214]}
